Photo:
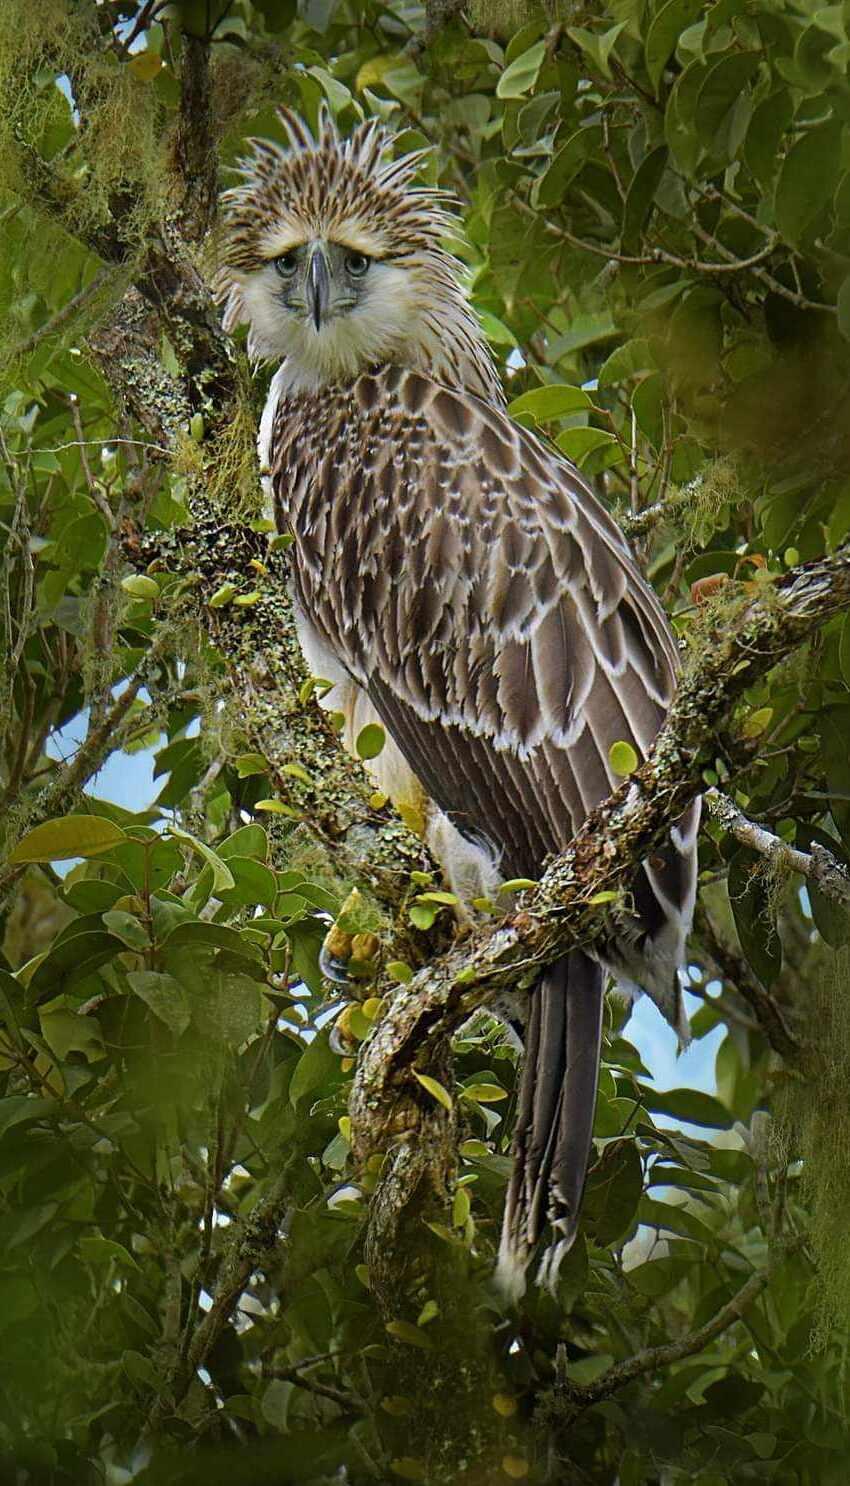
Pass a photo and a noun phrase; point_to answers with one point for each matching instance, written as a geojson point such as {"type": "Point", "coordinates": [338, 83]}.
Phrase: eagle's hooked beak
{"type": "Point", "coordinates": [318, 287]}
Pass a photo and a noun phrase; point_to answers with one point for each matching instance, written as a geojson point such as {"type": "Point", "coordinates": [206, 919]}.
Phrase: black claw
{"type": "Point", "coordinates": [333, 969]}
{"type": "Point", "coordinates": [337, 1043]}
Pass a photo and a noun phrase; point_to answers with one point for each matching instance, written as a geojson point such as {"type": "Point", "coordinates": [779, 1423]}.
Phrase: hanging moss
{"type": "Point", "coordinates": [813, 1125]}
{"type": "Point", "coordinates": [706, 501]}
{"type": "Point", "coordinates": [232, 483]}
{"type": "Point", "coordinates": [504, 17]}
{"type": "Point", "coordinates": [68, 155]}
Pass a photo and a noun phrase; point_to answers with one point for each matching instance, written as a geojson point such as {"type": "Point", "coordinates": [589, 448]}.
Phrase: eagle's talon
{"type": "Point", "coordinates": [333, 968]}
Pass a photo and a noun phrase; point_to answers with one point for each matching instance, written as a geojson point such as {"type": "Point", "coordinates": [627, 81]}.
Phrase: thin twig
{"type": "Point", "coordinates": [77, 302]}
{"type": "Point", "coordinates": [819, 865]}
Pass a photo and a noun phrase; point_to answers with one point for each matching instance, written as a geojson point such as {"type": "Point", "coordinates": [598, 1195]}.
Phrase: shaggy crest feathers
{"type": "Point", "coordinates": [331, 186]}
{"type": "Point", "coordinates": [348, 191]}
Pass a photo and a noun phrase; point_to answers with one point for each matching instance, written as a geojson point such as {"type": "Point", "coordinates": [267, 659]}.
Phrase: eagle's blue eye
{"type": "Point", "coordinates": [357, 264]}
{"type": "Point", "coordinates": [286, 265]}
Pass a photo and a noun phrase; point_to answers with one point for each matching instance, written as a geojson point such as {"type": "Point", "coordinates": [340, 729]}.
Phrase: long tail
{"type": "Point", "coordinates": [555, 1118]}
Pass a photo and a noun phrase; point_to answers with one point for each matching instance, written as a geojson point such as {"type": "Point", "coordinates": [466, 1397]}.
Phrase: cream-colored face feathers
{"type": "Point", "coordinates": [335, 260]}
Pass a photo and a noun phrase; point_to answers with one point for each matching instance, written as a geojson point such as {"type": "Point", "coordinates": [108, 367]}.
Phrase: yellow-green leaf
{"type": "Point", "coordinates": [277, 807]}
{"type": "Point", "coordinates": [504, 1404]}
{"type": "Point", "coordinates": [68, 836]}
{"type": "Point", "coordinates": [407, 1467]}
{"type": "Point", "coordinates": [223, 595]}
{"type": "Point", "coordinates": [473, 1150]}
{"type": "Point", "coordinates": [757, 722]}
{"type": "Point", "coordinates": [517, 885]}
{"type": "Point", "coordinates": [400, 971]}
{"type": "Point", "coordinates": [370, 740]}
{"type": "Point", "coordinates": [484, 1093]}
{"type": "Point", "coordinates": [434, 1088]}
{"type": "Point", "coordinates": [460, 1207]}
{"type": "Point", "coordinates": [140, 587]}
{"type": "Point", "coordinates": [397, 1406]}
{"type": "Point", "coordinates": [623, 758]}
{"type": "Point", "coordinates": [608, 895]}
{"type": "Point", "coordinates": [247, 600]}
{"type": "Point", "coordinates": [405, 1331]}
{"type": "Point", "coordinates": [297, 771]}
{"type": "Point", "coordinates": [250, 763]}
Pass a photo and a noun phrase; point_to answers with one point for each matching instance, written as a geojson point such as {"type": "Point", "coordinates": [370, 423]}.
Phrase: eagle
{"type": "Point", "coordinates": [458, 582]}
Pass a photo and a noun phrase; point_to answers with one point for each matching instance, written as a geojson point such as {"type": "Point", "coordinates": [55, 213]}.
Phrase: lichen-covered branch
{"type": "Point", "coordinates": [818, 865]}
{"type": "Point", "coordinates": [387, 1103]}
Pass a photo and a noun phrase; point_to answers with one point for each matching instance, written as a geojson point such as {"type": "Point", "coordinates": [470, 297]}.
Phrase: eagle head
{"type": "Point", "coordinates": [335, 259]}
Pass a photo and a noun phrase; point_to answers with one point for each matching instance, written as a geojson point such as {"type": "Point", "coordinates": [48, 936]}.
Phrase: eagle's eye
{"type": "Point", "coordinates": [286, 265]}
{"type": "Point", "coordinates": [357, 264]}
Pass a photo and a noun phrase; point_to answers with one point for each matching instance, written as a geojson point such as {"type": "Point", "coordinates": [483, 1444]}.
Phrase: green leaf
{"type": "Point", "coordinates": [629, 360]}
{"type": "Point", "coordinates": [223, 596]}
{"type": "Point", "coordinates": [434, 1088]}
{"type": "Point", "coordinates": [639, 199]}
{"type": "Point", "coordinates": [521, 75]}
{"type": "Point", "coordinates": [550, 187]}
{"type": "Point", "coordinates": [66, 837]}
{"type": "Point", "coordinates": [127, 928]}
{"type": "Point", "coordinates": [317, 1068]}
{"type": "Point", "coordinates": [140, 587]}
{"type": "Point", "coordinates": [544, 403]}
{"type": "Point", "coordinates": [21, 1109]}
{"type": "Point", "coordinates": [248, 764]}
{"type": "Point", "coordinates": [484, 1093]}
{"type": "Point", "coordinates": [405, 1331]}
{"type": "Point", "coordinates": [253, 883]}
{"type": "Point", "coordinates": [576, 443]}
{"type": "Point", "coordinates": [370, 740]}
{"type": "Point", "coordinates": [222, 876]}
{"type": "Point", "coordinates": [663, 34]}
{"type": "Point", "coordinates": [807, 179]}
{"type": "Point", "coordinates": [623, 758]}
{"type": "Point", "coordinates": [422, 915]}
{"type": "Point", "coordinates": [691, 1105]}
{"type": "Point", "coordinates": [517, 885]}
{"type": "Point", "coordinates": [613, 1192]}
{"type": "Point", "coordinates": [762, 151]}
{"type": "Point", "coordinates": [165, 996]}
{"type": "Point", "coordinates": [723, 85]}
{"type": "Point", "coordinates": [597, 45]}
{"type": "Point", "coordinates": [400, 971]}
{"type": "Point", "coordinates": [247, 841]}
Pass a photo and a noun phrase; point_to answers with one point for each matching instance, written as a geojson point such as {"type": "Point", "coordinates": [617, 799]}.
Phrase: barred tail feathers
{"type": "Point", "coordinates": [554, 1120]}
